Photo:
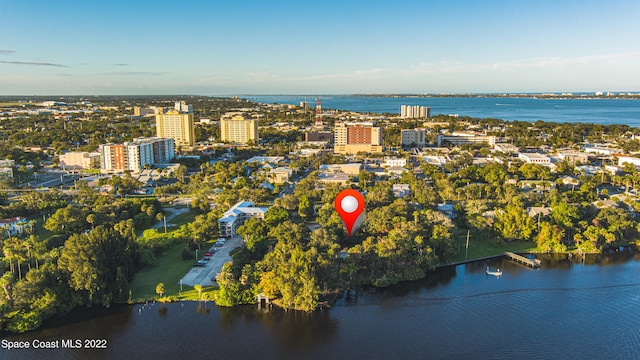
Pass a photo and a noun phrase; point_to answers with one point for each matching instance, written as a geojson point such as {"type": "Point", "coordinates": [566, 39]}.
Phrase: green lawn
{"type": "Point", "coordinates": [479, 248]}
{"type": "Point", "coordinates": [183, 219]}
{"type": "Point", "coordinates": [168, 268]}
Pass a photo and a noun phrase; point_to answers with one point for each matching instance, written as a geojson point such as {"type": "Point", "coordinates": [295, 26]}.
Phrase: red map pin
{"type": "Point", "coordinates": [349, 204]}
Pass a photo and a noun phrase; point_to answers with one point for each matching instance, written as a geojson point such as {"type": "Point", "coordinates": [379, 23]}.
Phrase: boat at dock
{"type": "Point", "coordinates": [496, 273]}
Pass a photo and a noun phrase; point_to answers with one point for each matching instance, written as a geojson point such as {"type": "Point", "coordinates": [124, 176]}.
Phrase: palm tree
{"type": "Point", "coordinates": [160, 289]}
{"type": "Point", "coordinates": [198, 288]}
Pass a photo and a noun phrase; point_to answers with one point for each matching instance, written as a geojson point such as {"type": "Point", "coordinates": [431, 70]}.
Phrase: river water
{"type": "Point", "coordinates": [562, 310]}
{"type": "Point", "coordinates": [595, 111]}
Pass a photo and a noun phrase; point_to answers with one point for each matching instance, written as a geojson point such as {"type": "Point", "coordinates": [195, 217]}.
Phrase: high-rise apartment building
{"type": "Point", "coordinates": [238, 130]}
{"type": "Point", "coordinates": [134, 155]}
{"type": "Point", "coordinates": [352, 138]}
{"type": "Point", "coordinates": [176, 124]}
{"type": "Point", "coordinates": [112, 157]}
{"type": "Point", "coordinates": [415, 111]}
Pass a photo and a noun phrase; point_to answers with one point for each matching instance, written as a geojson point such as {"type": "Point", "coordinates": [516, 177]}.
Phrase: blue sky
{"type": "Point", "coordinates": [310, 47]}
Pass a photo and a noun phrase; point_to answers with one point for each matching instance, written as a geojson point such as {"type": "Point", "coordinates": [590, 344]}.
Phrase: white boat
{"type": "Point", "coordinates": [496, 273]}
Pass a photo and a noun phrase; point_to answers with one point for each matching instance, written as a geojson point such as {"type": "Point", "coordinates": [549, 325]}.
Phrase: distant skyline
{"type": "Point", "coordinates": [331, 47]}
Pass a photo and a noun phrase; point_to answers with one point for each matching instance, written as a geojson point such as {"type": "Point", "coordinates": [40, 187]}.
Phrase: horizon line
{"type": "Point", "coordinates": [604, 93]}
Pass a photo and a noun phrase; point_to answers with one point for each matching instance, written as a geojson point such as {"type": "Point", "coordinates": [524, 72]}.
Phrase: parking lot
{"type": "Point", "coordinates": [206, 275]}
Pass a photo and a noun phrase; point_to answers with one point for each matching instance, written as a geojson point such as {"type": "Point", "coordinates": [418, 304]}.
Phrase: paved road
{"type": "Point", "coordinates": [173, 212]}
{"type": "Point", "coordinates": [206, 275]}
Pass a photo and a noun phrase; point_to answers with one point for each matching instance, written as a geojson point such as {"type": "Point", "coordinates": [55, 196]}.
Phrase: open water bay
{"type": "Point", "coordinates": [594, 111]}
{"type": "Point", "coordinates": [565, 309]}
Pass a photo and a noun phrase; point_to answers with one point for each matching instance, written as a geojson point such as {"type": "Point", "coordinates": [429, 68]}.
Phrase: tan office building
{"type": "Point", "coordinates": [238, 130]}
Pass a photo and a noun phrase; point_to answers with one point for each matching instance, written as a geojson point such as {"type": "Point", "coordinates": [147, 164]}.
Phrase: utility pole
{"type": "Point", "coordinates": [466, 252]}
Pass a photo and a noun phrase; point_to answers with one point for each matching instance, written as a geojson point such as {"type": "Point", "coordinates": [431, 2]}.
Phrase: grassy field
{"type": "Point", "coordinates": [168, 268]}
{"type": "Point", "coordinates": [479, 248]}
{"type": "Point", "coordinates": [183, 219]}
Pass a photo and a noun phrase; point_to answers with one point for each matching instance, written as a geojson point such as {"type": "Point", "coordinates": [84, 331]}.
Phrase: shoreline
{"type": "Point", "coordinates": [323, 305]}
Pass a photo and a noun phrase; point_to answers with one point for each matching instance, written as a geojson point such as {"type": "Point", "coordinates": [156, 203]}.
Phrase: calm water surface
{"type": "Point", "coordinates": [563, 310]}
{"type": "Point", "coordinates": [595, 111]}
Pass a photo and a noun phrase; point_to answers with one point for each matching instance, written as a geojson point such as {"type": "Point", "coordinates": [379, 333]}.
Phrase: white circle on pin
{"type": "Point", "coordinates": [349, 204]}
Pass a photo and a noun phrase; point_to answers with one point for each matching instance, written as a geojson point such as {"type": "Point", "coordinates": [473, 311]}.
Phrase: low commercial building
{"type": "Point", "coordinates": [401, 190]}
{"type": "Point", "coordinates": [79, 160]}
{"type": "Point", "coordinates": [349, 169]}
{"type": "Point", "coordinates": [265, 159]}
{"type": "Point", "coordinates": [461, 138]}
{"type": "Point", "coordinates": [394, 162]}
{"type": "Point", "coordinates": [601, 149]}
{"type": "Point", "coordinates": [628, 160]}
{"type": "Point", "coordinates": [506, 148]}
{"type": "Point", "coordinates": [334, 178]}
{"type": "Point", "coordinates": [572, 156]}
{"type": "Point", "coordinates": [534, 158]}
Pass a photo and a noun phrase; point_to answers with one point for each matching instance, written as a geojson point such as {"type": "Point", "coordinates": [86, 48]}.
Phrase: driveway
{"type": "Point", "coordinates": [206, 275]}
{"type": "Point", "coordinates": [172, 213]}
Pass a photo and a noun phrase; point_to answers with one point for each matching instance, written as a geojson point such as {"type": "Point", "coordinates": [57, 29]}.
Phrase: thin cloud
{"type": "Point", "coordinates": [120, 64]}
{"type": "Point", "coordinates": [33, 63]}
{"type": "Point", "coordinates": [268, 76]}
{"type": "Point", "coordinates": [131, 73]}
{"type": "Point", "coordinates": [6, 52]}
{"type": "Point", "coordinates": [355, 75]}
{"type": "Point", "coordinates": [537, 62]}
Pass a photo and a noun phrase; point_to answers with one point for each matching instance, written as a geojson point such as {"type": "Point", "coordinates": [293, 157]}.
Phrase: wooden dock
{"type": "Point", "coordinates": [535, 263]}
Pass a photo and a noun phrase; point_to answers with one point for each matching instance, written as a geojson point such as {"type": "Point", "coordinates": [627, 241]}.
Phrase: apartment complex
{"type": "Point", "coordinates": [237, 215]}
{"type": "Point", "coordinates": [413, 137]}
{"type": "Point", "coordinates": [176, 124]}
{"type": "Point", "coordinates": [415, 111]}
{"type": "Point", "coordinates": [352, 138]}
{"type": "Point", "coordinates": [136, 154]}
{"type": "Point", "coordinates": [239, 130]}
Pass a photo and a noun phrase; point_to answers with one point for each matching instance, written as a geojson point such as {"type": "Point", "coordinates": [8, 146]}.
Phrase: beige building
{"type": "Point", "coordinates": [79, 160]}
{"type": "Point", "coordinates": [352, 138]}
{"type": "Point", "coordinates": [238, 130]}
{"type": "Point", "coordinates": [413, 137]}
{"type": "Point", "coordinates": [6, 168]}
{"type": "Point", "coordinates": [177, 125]}
{"type": "Point", "coordinates": [460, 138]}
{"type": "Point", "coordinates": [281, 175]}
{"type": "Point", "coordinates": [534, 158]}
